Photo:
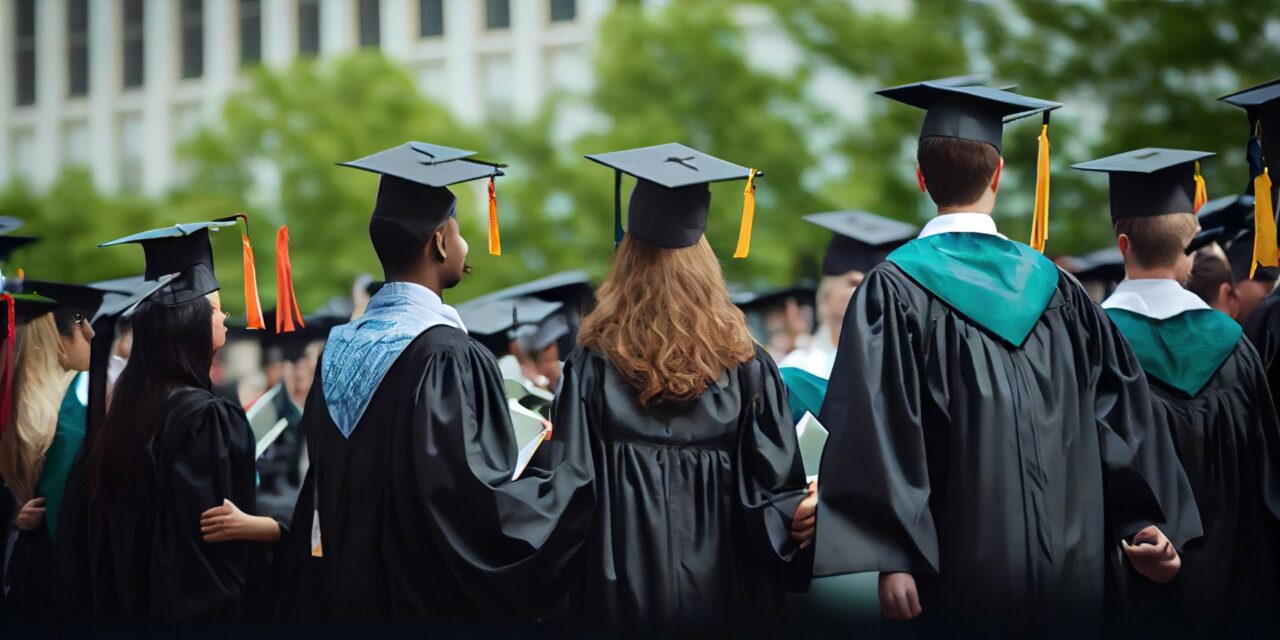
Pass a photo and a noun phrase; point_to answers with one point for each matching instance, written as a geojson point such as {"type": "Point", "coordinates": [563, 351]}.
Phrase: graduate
{"type": "Point", "coordinates": [859, 241]}
{"type": "Point", "coordinates": [171, 470]}
{"type": "Point", "coordinates": [1211, 279]}
{"type": "Point", "coordinates": [523, 333]}
{"type": "Point", "coordinates": [409, 510]}
{"type": "Point", "coordinates": [1210, 387]}
{"type": "Point", "coordinates": [993, 447]}
{"type": "Point", "coordinates": [702, 510]}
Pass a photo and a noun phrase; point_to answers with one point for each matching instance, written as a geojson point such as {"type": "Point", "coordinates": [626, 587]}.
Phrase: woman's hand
{"type": "Point", "coordinates": [228, 522]}
{"type": "Point", "coordinates": [1152, 555]}
{"type": "Point", "coordinates": [31, 516]}
{"type": "Point", "coordinates": [899, 599]}
{"type": "Point", "coordinates": [805, 521]}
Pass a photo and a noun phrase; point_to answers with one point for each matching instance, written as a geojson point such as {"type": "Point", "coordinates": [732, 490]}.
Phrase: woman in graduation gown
{"type": "Point", "coordinates": [173, 464]}
{"type": "Point", "coordinates": [40, 439]}
{"type": "Point", "coordinates": [697, 472]}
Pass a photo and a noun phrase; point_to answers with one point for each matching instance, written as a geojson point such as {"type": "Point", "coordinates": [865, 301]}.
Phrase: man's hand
{"type": "Point", "coordinates": [898, 597]}
{"type": "Point", "coordinates": [31, 515]}
{"type": "Point", "coordinates": [805, 521]}
{"type": "Point", "coordinates": [1152, 555]}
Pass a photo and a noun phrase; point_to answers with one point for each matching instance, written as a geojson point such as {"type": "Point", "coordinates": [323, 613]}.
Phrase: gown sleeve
{"type": "Point", "coordinates": [771, 479]}
{"type": "Point", "coordinates": [1143, 479]}
{"type": "Point", "coordinates": [506, 542]}
{"type": "Point", "coordinates": [873, 487]}
{"type": "Point", "coordinates": [1261, 501]}
{"type": "Point", "coordinates": [204, 457]}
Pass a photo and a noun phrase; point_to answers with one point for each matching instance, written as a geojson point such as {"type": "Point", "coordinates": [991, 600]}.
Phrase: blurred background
{"type": "Point", "coordinates": [122, 115]}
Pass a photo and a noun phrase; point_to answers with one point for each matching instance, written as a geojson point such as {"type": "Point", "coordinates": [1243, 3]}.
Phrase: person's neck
{"type": "Point", "coordinates": [1134, 272]}
{"type": "Point", "coordinates": [977, 207]}
{"type": "Point", "coordinates": [428, 279]}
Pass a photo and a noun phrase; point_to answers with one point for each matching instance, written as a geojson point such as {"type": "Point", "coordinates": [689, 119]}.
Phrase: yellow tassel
{"type": "Point", "coordinates": [1040, 212]}
{"type": "Point", "coordinates": [1202, 191]}
{"type": "Point", "coordinates": [1265, 251]}
{"type": "Point", "coordinates": [495, 241]}
{"type": "Point", "coordinates": [748, 217]}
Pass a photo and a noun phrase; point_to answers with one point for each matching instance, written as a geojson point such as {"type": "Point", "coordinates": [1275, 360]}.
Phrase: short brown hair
{"type": "Point", "coordinates": [1209, 272]}
{"type": "Point", "coordinates": [956, 171]}
{"type": "Point", "coordinates": [1157, 241]}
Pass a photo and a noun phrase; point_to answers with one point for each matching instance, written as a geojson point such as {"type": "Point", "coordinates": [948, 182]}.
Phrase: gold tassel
{"type": "Point", "coordinates": [1040, 212]}
{"type": "Point", "coordinates": [1202, 191]}
{"type": "Point", "coordinates": [1265, 251]}
{"type": "Point", "coordinates": [748, 217]}
{"type": "Point", "coordinates": [495, 241]}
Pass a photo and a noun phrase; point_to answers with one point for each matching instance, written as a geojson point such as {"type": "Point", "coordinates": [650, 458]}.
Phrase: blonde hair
{"type": "Point", "coordinates": [40, 382]}
{"type": "Point", "coordinates": [663, 318]}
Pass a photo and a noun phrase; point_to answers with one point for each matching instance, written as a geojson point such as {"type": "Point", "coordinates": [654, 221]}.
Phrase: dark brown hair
{"type": "Point", "coordinates": [956, 171]}
{"type": "Point", "coordinates": [1157, 241]}
{"type": "Point", "coordinates": [663, 318]}
{"type": "Point", "coordinates": [1208, 273]}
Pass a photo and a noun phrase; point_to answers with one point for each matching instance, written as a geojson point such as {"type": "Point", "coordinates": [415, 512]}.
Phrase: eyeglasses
{"type": "Point", "coordinates": [78, 318]}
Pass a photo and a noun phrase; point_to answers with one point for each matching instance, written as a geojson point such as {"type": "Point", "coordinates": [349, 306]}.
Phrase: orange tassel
{"type": "Point", "coordinates": [1265, 251]}
{"type": "Point", "coordinates": [495, 241]}
{"type": "Point", "coordinates": [252, 303]}
{"type": "Point", "coordinates": [1202, 191]}
{"type": "Point", "coordinates": [1040, 210]}
{"type": "Point", "coordinates": [288, 317]}
{"type": "Point", "coordinates": [6, 367]}
{"type": "Point", "coordinates": [748, 217]}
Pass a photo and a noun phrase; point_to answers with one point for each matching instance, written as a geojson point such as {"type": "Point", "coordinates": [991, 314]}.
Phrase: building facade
{"type": "Point", "coordinates": [114, 85]}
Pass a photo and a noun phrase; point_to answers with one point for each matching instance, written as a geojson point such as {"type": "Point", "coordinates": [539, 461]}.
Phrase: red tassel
{"type": "Point", "coordinates": [6, 368]}
{"type": "Point", "coordinates": [288, 318]}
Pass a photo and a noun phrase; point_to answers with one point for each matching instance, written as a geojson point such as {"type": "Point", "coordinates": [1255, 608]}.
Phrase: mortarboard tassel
{"type": "Point", "coordinates": [1265, 250]}
{"type": "Point", "coordinates": [6, 367]}
{"type": "Point", "coordinates": [252, 303]}
{"type": "Point", "coordinates": [1202, 190]}
{"type": "Point", "coordinates": [288, 318]}
{"type": "Point", "coordinates": [495, 241]}
{"type": "Point", "coordinates": [1040, 212]}
{"type": "Point", "coordinates": [617, 209]}
{"type": "Point", "coordinates": [748, 217]}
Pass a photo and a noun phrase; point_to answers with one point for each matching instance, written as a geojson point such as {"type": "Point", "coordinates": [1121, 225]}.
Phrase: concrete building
{"type": "Point", "coordinates": [114, 85]}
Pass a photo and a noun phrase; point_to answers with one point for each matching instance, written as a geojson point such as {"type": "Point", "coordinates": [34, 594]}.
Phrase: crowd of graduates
{"type": "Point", "coordinates": [1011, 444]}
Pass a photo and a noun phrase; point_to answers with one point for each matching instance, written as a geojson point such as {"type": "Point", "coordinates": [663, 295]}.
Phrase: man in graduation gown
{"type": "Point", "coordinates": [1210, 388]}
{"type": "Point", "coordinates": [408, 510]}
{"type": "Point", "coordinates": [992, 438]}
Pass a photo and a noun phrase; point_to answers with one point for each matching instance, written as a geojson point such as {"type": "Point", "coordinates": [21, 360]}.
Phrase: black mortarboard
{"type": "Point", "coordinates": [413, 194]}
{"type": "Point", "coordinates": [1104, 265]}
{"type": "Point", "coordinates": [671, 198]}
{"type": "Point", "coordinates": [965, 111]}
{"type": "Point", "coordinates": [1262, 104]}
{"type": "Point", "coordinates": [81, 297]}
{"type": "Point", "coordinates": [572, 289]}
{"type": "Point", "coordinates": [494, 317]}
{"type": "Point", "coordinates": [860, 240]}
{"type": "Point", "coordinates": [1150, 182]}
{"type": "Point", "coordinates": [9, 244]}
{"type": "Point", "coordinates": [121, 295]}
{"type": "Point", "coordinates": [182, 249]}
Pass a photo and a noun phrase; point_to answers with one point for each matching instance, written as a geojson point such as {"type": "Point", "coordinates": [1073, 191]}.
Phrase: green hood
{"type": "Point", "coordinates": [1184, 351]}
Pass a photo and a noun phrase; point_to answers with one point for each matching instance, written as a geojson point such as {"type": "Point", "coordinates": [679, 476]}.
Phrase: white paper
{"type": "Point", "coordinates": [812, 438]}
{"type": "Point", "coordinates": [269, 437]}
{"type": "Point", "coordinates": [527, 451]}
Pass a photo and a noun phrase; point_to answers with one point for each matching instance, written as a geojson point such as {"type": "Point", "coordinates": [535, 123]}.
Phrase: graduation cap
{"type": "Point", "coordinates": [757, 305]}
{"type": "Point", "coordinates": [1104, 265]}
{"type": "Point", "coordinates": [413, 194]}
{"type": "Point", "coordinates": [86, 298]}
{"type": "Point", "coordinates": [861, 240]}
{"type": "Point", "coordinates": [182, 249]}
{"type": "Point", "coordinates": [670, 201]}
{"type": "Point", "coordinates": [122, 295]}
{"type": "Point", "coordinates": [1262, 105]}
{"type": "Point", "coordinates": [495, 322]}
{"type": "Point", "coordinates": [9, 223]}
{"type": "Point", "coordinates": [975, 112]}
{"type": "Point", "coordinates": [1152, 181]}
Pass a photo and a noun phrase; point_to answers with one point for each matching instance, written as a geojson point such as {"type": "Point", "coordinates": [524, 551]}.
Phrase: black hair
{"type": "Point", "coordinates": [172, 350]}
{"type": "Point", "coordinates": [399, 248]}
{"type": "Point", "coordinates": [956, 171]}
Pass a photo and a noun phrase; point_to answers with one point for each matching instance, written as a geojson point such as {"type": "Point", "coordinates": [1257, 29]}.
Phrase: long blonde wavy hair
{"type": "Point", "coordinates": [39, 384]}
{"type": "Point", "coordinates": [663, 318]}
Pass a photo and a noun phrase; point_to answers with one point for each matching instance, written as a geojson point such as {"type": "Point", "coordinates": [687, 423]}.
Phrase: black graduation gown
{"type": "Point", "coordinates": [693, 504]}
{"type": "Point", "coordinates": [1263, 330]}
{"type": "Point", "coordinates": [1228, 439]}
{"type": "Point", "coordinates": [418, 516]}
{"type": "Point", "coordinates": [149, 563]}
{"type": "Point", "coordinates": [1001, 477]}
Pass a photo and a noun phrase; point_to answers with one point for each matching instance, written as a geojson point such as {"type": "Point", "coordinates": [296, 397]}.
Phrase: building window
{"type": "Point", "coordinates": [370, 22]}
{"type": "Point", "coordinates": [497, 14]}
{"type": "Point", "coordinates": [430, 18]}
{"type": "Point", "coordinates": [192, 20]}
{"type": "Point", "coordinates": [308, 27]}
{"type": "Point", "coordinates": [77, 47]}
{"type": "Point", "coordinates": [131, 151]}
{"type": "Point", "coordinates": [24, 52]}
{"type": "Point", "coordinates": [250, 31]}
{"type": "Point", "coordinates": [75, 143]}
{"type": "Point", "coordinates": [563, 10]}
{"type": "Point", "coordinates": [499, 82]}
{"type": "Point", "coordinates": [133, 41]}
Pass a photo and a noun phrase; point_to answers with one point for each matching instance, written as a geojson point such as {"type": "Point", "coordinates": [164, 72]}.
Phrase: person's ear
{"type": "Point", "coordinates": [1122, 241]}
{"type": "Point", "coordinates": [437, 239]}
{"type": "Point", "coordinates": [920, 178]}
{"type": "Point", "coordinates": [995, 179]}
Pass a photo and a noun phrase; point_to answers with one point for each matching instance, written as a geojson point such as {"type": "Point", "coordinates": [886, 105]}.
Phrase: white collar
{"type": "Point", "coordinates": [960, 223]}
{"type": "Point", "coordinates": [1158, 299]}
